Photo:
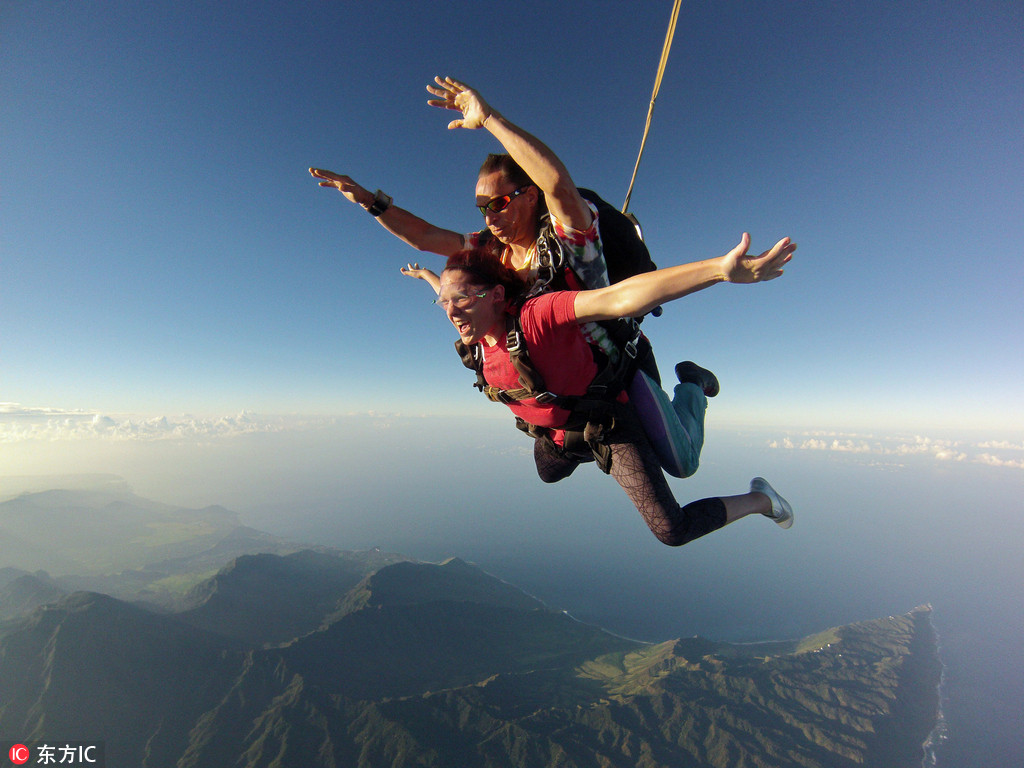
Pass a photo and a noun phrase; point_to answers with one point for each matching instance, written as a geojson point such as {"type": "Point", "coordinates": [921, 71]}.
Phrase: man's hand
{"type": "Point", "coordinates": [460, 97]}
{"type": "Point", "coordinates": [357, 194]}
{"type": "Point", "coordinates": [740, 267]}
{"type": "Point", "coordinates": [407, 227]}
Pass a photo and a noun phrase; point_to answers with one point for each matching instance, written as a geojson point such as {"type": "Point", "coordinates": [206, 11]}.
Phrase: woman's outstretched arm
{"type": "Point", "coordinates": [641, 293]}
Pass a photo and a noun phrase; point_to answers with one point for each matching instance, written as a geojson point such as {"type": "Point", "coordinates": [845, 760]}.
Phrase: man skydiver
{"type": "Point", "coordinates": [512, 192]}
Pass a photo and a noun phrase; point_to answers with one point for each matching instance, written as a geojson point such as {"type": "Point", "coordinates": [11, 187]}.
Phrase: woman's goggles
{"type": "Point", "coordinates": [458, 300]}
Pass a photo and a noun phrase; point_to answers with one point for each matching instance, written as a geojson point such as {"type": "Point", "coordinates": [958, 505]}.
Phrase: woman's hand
{"type": "Point", "coordinates": [415, 270]}
{"type": "Point", "coordinates": [740, 267]}
{"type": "Point", "coordinates": [639, 294]}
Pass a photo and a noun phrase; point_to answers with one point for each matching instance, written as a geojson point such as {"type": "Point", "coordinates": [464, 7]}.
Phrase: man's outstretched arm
{"type": "Point", "coordinates": [420, 234]}
{"type": "Point", "coordinates": [533, 156]}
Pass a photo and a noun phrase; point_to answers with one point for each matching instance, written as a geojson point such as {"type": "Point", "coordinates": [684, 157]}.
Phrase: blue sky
{"type": "Point", "coordinates": [164, 251]}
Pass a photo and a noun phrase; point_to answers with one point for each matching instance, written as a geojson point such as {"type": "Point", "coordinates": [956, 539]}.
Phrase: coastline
{"type": "Point", "coordinates": [932, 746]}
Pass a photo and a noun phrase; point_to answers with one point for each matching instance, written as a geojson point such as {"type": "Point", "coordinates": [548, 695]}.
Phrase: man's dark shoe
{"type": "Point", "coordinates": [691, 373]}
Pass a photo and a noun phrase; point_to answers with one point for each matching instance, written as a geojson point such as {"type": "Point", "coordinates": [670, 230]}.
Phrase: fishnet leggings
{"type": "Point", "coordinates": [636, 468]}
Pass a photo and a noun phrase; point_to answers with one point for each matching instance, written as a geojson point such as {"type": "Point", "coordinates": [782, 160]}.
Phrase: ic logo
{"type": "Point", "coordinates": [19, 754]}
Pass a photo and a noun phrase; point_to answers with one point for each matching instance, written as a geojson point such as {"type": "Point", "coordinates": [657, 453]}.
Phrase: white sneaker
{"type": "Point", "coordinates": [781, 512]}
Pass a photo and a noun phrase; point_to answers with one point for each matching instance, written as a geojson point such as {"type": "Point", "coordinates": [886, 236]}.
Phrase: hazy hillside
{"type": "Point", "coordinates": [114, 542]}
{"type": "Point", "coordinates": [443, 665]}
{"type": "Point", "coordinates": [86, 532]}
{"type": "Point", "coordinates": [22, 592]}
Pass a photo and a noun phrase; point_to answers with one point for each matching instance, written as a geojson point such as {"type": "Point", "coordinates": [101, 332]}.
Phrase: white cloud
{"type": "Point", "coordinates": [14, 410]}
{"type": "Point", "coordinates": [899, 447]}
{"type": "Point", "coordinates": [21, 423]}
{"type": "Point", "coordinates": [1003, 445]}
{"type": "Point", "coordinates": [995, 461]}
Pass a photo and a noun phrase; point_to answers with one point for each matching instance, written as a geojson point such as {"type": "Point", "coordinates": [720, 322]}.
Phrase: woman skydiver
{"type": "Point", "coordinates": [478, 296]}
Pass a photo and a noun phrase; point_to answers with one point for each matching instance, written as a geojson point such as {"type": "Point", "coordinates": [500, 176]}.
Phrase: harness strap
{"type": "Point", "coordinates": [515, 343]}
{"type": "Point", "coordinates": [551, 257]}
{"type": "Point", "coordinates": [592, 414]}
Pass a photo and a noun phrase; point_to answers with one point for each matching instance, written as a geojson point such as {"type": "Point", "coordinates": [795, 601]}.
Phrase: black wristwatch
{"type": "Point", "coordinates": [381, 203]}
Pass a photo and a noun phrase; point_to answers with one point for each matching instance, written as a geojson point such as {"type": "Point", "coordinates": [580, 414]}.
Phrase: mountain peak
{"type": "Point", "coordinates": [454, 580]}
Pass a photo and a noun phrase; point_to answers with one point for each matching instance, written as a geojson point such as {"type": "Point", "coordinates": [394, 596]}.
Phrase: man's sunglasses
{"type": "Point", "coordinates": [499, 204]}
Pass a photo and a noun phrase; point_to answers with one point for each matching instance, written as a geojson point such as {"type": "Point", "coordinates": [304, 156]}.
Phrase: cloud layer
{"type": "Point", "coordinates": [20, 423]}
{"type": "Point", "coordinates": [996, 453]}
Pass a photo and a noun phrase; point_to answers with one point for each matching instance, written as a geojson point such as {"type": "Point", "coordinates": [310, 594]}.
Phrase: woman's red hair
{"type": "Point", "coordinates": [486, 270]}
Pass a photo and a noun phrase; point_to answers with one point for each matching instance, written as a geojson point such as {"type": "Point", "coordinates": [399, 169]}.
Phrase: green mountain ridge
{"type": "Point", "coordinates": [316, 657]}
{"type": "Point", "coordinates": [410, 583]}
{"type": "Point", "coordinates": [470, 678]}
{"type": "Point", "coordinates": [92, 665]}
{"type": "Point", "coordinates": [266, 599]}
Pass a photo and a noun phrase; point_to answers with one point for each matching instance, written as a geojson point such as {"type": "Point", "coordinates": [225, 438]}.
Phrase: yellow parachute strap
{"type": "Point", "coordinates": [654, 95]}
